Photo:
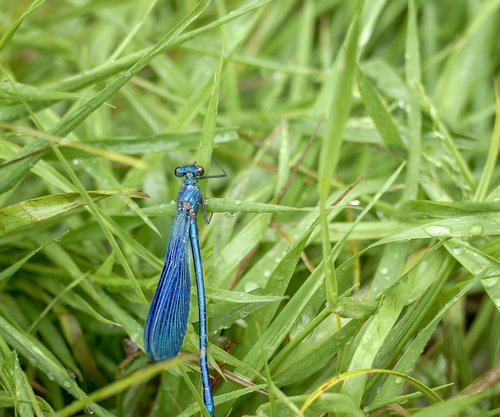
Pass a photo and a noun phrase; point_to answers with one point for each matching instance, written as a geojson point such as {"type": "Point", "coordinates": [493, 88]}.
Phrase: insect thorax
{"type": "Point", "coordinates": [189, 199]}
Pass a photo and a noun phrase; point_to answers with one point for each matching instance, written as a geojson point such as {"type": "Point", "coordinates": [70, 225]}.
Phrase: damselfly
{"type": "Point", "coordinates": [168, 315]}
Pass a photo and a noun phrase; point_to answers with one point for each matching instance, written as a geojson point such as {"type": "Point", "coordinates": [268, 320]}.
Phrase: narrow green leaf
{"type": "Point", "coordinates": [102, 72]}
{"type": "Point", "coordinates": [156, 143]}
{"type": "Point", "coordinates": [412, 68]}
{"type": "Point", "coordinates": [237, 249]}
{"type": "Point", "coordinates": [11, 270]}
{"type": "Point", "coordinates": [43, 208]}
{"type": "Point", "coordinates": [339, 108]}
{"type": "Point", "coordinates": [13, 93]}
{"type": "Point", "coordinates": [454, 405]}
{"type": "Point", "coordinates": [348, 376]}
{"type": "Point", "coordinates": [309, 358]}
{"type": "Point", "coordinates": [460, 226]}
{"type": "Point", "coordinates": [282, 324]}
{"type": "Point", "coordinates": [378, 112]}
{"type": "Point", "coordinates": [303, 51]}
{"type": "Point", "coordinates": [140, 376]}
{"type": "Point", "coordinates": [491, 156]}
{"type": "Point", "coordinates": [73, 299]}
{"type": "Point", "coordinates": [277, 285]}
{"type": "Point", "coordinates": [221, 399]}
{"type": "Point", "coordinates": [223, 314]}
{"type": "Point", "coordinates": [392, 386]}
{"type": "Point", "coordinates": [328, 402]}
{"type": "Point", "coordinates": [7, 36]}
{"type": "Point", "coordinates": [405, 291]}
{"type": "Point", "coordinates": [478, 263]}
{"type": "Point", "coordinates": [210, 122]}
{"type": "Point", "coordinates": [14, 173]}
{"type": "Point", "coordinates": [236, 206]}
{"type": "Point", "coordinates": [38, 355]}
{"type": "Point", "coordinates": [434, 209]}
{"type": "Point", "coordinates": [22, 393]}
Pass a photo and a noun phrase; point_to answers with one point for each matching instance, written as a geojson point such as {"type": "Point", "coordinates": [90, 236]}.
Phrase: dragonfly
{"type": "Point", "coordinates": [168, 314]}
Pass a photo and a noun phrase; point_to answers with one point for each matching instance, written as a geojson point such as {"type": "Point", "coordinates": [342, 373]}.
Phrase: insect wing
{"type": "Point", "coordinates": [167, 318]}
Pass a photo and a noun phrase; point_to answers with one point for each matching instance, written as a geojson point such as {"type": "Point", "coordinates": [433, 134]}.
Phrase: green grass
{"type": "Point", "coordinates": [352, 262]}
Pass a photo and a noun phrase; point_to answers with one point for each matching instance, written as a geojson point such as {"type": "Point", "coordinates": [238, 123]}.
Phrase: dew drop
{"type": "Point", "coordinates": [437, 230]}
{"type": "Point", "coordinates": [476, 229]}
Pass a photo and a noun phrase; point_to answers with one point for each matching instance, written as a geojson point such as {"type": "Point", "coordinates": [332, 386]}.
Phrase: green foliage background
{"type": "Point", "coordinates": [315, 296]}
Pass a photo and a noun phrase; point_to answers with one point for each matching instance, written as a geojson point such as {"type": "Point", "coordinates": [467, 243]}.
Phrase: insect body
{"type": "Point", "coordinates": [168, 314]}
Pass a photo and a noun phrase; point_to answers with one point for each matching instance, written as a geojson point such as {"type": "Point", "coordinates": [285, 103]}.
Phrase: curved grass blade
{"type": "Point", "coordinates": [350, 374]}
{"type": "Point", "coordinates": [36, 210]}
{"type": "Point", "coordinates": [13, 29]}
{"type": "Point", "coordinates": [118, 386]}
{"type": "Point", "coordinates": [14, 173]}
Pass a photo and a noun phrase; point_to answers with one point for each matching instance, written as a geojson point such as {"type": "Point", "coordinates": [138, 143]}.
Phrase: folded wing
{"type": "Point", "coordinates": [167, 318]}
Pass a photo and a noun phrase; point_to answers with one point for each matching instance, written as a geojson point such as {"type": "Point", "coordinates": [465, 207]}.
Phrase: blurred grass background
{"type": "Point", "coordinates": [314, 296]}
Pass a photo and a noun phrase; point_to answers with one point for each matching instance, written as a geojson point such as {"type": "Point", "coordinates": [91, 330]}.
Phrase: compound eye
{"type": "Point", "coordinates": [200, 170]}
{"type": "Point", "coordinates": [179, 172]}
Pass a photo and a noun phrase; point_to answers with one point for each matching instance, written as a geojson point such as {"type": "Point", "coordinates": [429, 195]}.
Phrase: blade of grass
{"type": "Point", "coordinates": [411, 354]}
{"type": "Point", "coordinates": [378, 112]}
{"type": "Point", "coordinates": [206, 146]}
{"type": "Point", "coordinates": [454, 405]}
{"type": "Point", "coordinates": [39, 209]}
{"type": "Point", "coordinates": [396, 298]}
{"type": "Point", "coordinates": [14, 173]}
{"type": "Point", "coordinates": [413, 77]}
{"type": "Point", "coordinates": [345, 377]}
{"type": "Point", "coordinates": [7, 36]}
{"type": "Point", "coordinates": [40, 357]}
{"type": "Point", "coordinates": [282, 324]}
{"type": "Point", "coordinates": [338, 112]}
{"type": "Point", "coordinates": [137, 377]}
{"type": "Point", "coordinates": [492, 155]}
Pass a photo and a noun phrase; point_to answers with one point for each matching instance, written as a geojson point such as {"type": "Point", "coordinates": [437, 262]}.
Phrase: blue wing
{"type": "Point", "coordinates": [167, 318]}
